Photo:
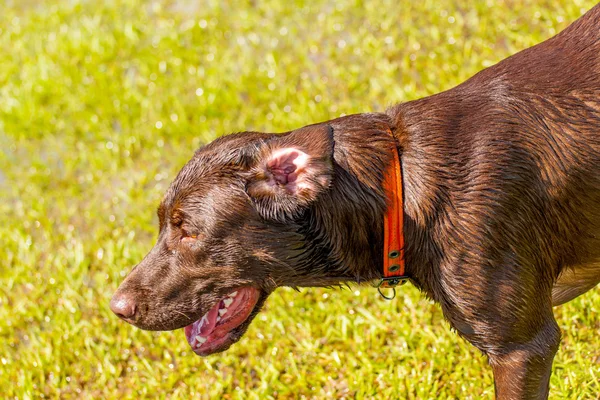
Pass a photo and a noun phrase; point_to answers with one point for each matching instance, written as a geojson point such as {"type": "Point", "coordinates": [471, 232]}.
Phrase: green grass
{"type": "Point", "coordinates": [101, 103]}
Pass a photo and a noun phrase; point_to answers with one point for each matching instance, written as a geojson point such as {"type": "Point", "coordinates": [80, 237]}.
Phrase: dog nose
{"type": "Point", "coordinates": [124, 306]}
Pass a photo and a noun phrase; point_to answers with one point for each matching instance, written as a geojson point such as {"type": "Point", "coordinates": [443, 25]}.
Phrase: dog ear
{"type": "Point", "coordinates": [291, 171]}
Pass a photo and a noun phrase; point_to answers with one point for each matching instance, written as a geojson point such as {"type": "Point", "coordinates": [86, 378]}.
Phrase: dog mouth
{"type": "Point", "coordinates": [223, 324]}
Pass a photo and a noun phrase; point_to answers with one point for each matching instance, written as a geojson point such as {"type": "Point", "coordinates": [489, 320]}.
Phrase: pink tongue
{"type": "Point", "coordinates": [209, 320]}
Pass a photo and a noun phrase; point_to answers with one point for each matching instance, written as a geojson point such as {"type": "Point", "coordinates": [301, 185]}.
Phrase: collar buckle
{"type": "Point", "coordinates": [391, 283]}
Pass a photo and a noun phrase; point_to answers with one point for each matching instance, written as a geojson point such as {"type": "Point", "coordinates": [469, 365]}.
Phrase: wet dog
{"type": "Point", "coordinates": [501, 211]}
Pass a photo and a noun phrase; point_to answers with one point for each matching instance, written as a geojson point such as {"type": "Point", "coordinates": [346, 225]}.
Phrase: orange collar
{"type": "Point", "coordinates": [393, 228]}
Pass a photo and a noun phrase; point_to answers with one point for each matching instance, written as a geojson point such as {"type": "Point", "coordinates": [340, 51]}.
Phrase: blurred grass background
{"type": "Point", "coordinates": [101, 103]}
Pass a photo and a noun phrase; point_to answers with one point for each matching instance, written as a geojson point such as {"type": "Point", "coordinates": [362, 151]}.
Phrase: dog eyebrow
{"type": "Point", "coordinates": [177, 215]}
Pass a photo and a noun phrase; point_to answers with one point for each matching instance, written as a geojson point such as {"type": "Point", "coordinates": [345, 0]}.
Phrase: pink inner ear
{"type": "Point", "coordinates": [286, 165]}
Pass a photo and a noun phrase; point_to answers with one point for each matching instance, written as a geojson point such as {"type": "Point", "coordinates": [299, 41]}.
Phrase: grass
{"type": "Point", "coordinates": [102, 102]}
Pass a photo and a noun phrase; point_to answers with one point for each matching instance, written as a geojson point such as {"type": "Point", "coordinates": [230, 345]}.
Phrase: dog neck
{"type": "Point", "coordinates": [428, 139]}
{"type": "Point", "coordinates": [344, 227]}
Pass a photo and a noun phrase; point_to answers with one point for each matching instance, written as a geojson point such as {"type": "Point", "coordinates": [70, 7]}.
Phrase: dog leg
{"type": "Point", "coordinates": [508, 316]}
{"type": "Point", "coordinates": [523, 370]}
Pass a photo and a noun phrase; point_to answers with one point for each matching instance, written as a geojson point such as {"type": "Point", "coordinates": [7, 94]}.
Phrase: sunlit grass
{"type": "Point", "coordinates": [102, 102]}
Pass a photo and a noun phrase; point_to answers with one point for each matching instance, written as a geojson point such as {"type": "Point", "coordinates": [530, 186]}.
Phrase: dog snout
{"type": "Point", "coordinates": [124, 306]}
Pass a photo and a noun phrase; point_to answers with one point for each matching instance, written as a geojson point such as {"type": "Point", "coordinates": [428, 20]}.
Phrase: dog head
{"type": "Point", "coordinates": [248, 213]}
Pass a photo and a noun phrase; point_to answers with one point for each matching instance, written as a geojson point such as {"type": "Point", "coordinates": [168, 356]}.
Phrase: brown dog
{"type": "Point", "coordinates": [501, 211]}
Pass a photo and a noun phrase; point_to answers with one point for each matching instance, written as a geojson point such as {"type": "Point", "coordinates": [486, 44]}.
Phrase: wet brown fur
{"type": "Point", "coordinates": [502, 208]}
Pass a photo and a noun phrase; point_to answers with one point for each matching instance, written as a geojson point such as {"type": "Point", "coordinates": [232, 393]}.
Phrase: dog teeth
{"type": "Point", "coordinates": [222, 312]}
{"type": "Point", "coordinates": [200, 340]}
{"type": "Point", "coordinates": [232, 295]}
{"type": "Point", "coordinates": [203, 321]}
{"type": "Point", "coordinates": [228, 302]}
{"type": "Point", "coordinates": [218, 319]}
